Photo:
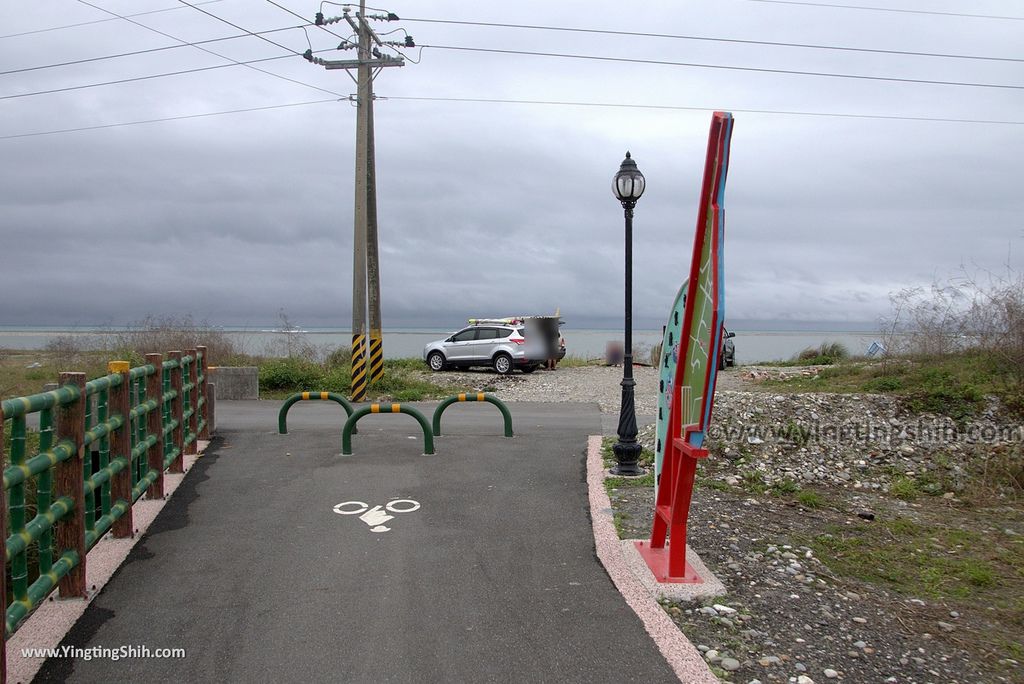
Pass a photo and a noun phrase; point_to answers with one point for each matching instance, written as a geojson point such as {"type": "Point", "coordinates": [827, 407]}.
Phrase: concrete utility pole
{"type": "Point", "coordinates": [367, 354]}
{"type": "Point", "coordinates": [376, 363]}
{"type": "Point", "coordinates": [364, 108]}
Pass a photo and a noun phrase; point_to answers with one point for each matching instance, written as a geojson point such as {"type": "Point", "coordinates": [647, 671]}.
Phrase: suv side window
{"type": "Point", "coordinates": [486, 333]}
{"type": "Point", "coordinates": [503, 333]}
{"type": "Point", "coordinates": [465, 335]}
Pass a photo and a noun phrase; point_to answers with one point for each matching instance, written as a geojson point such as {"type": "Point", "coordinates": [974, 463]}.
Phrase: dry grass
{"type": "Point", "coordinates": [166, 333]}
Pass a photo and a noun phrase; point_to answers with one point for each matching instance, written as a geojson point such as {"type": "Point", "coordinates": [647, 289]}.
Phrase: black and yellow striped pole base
{"type": "Point", "coordinates": [376, 356]}
{"type": "Point", "coordinates": [359, 370]}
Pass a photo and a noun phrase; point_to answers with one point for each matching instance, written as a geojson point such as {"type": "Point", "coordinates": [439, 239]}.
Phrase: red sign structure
{"type": "Point", "coordinates": [693, 390]}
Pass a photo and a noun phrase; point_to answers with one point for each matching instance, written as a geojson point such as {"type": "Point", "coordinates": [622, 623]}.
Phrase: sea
{"type": "Point", "coordinates": [752, 345]}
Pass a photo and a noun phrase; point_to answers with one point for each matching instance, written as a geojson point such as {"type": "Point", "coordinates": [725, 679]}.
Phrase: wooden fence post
{"type": "Point", "coordinates": [121, 447]}
{"type": "Point", "coordinates": [68, 481]}
{"type": "Point", "coordinates": [205, 432]}
{"type": "Point", "coordinates": [193, 402]}
{"type": "Point", "coordinates": [177, 414]}
{"type": "Point", "coordinates": [155, 425]}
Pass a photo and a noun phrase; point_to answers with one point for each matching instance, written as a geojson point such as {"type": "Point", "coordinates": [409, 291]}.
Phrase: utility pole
{"type": "Point", "coordinates": [367, 351]}
{"type": "Point", "coordinates": [360, 232]}
{"type": "Point", "coordinates": [376, 362]}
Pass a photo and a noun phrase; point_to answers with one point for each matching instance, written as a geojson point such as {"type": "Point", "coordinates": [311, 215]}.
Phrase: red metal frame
{"type": "Point", "coordinates": [665, 553]}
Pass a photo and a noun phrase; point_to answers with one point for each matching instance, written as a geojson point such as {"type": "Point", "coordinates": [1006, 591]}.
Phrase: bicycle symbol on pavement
{"type": "Point", "coordinates": [378, 515]}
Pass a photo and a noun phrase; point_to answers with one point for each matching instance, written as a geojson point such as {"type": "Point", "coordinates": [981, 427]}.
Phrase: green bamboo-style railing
{"type": "Point", "coordinates": [103, 444]}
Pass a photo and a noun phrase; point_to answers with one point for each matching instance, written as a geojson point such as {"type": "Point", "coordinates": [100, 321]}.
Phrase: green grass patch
{"type": "Point", "coordinates": [753, 482]}
{"type": "Point", "coordinates": [920, 560]}
{"type": "Point", "coordinates": [575, 361]}
{"type": "Point", "coordinates": [403, 380]}
{"type": "Point", "coordinates": [619, 519]}
{"type": "Point", "coordinates": [18, 379]}
{"type": "Point", "coordinates": [825, 354]}
{"type": "Point", "coordinates": [953, 385]}
{"type": "Point", "coordinates": [810, 499]}
{"type": "Point", "coordinates": [614, 482]}
{"type": "Point", "coordinates": [785, 487]}
{"type": "Point", "coordinates": [904, 488]}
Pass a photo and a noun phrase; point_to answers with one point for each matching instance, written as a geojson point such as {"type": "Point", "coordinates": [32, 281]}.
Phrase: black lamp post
{"type": "Point", "coordinates": [628, 185]}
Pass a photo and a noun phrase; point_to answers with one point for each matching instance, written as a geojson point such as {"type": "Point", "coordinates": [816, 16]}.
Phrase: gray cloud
{"type": "Point", "coordinates": [499, 208]}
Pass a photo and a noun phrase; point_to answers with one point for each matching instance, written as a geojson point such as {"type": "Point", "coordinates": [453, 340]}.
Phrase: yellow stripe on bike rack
{"type": "Point", "coordinates": [479, 396]}
{"type": "Point", "coordinates": [374, 408]}
{"type": "Point", "coordinates": [396, 408]}
{"type": "Point", "coordinates": [462, 396]}
{"type": "Point", "coordinates": [305, 395]}
{"type": "Point", "coordinates": [323, 395]}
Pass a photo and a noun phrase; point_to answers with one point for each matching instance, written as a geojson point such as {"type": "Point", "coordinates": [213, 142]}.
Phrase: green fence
{"type": "Point", "coordinates": [102, 444]}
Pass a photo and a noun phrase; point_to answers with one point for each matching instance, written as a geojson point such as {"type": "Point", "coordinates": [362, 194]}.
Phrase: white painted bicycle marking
{"type": "Point", "coordinates": [378, 515]}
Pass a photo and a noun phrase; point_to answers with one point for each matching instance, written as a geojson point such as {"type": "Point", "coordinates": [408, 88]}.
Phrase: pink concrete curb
{"type": "Point", "coordinates": [53, 619]}
{"type": "Point", "coordinates": [681, 655]}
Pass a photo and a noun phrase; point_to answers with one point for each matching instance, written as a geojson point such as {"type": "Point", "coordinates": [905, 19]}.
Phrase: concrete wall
{"type": "Point", "coordinates": [242, 382]}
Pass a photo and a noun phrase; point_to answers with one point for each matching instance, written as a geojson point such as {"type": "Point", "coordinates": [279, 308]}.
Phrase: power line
{"type": "Point", "coordinates": [140, 52]}
{"type": "Point", "coordinates": [247, 65]}
{"type": "Point", "coordinates": [781, 112]}
{"type": "Point", "coordinates": [169, 73]}
{"type": "Point", "coordinates": [166, 118]}
{"type": "Point", "coordinates": [614, 105]}
{"type": "Point", "coordinates": [320, 26]}
{"type": "Point", "coordinates": [698, 65]}
{"type": "Point", "coordinates": [674, 36]}
{"type": "Point", "coordinates": [99, 21]}
{"type": "Point", "coordinates": [890, 9]}
{"type": "Point", "coordinates": [225, 21]}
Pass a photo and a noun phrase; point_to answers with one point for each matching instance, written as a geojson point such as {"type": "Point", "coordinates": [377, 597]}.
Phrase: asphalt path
{"type": "Point", "coordinates": [491, 578]}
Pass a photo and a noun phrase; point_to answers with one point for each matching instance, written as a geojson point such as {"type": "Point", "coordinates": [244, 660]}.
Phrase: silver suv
{"type": "Point", "coordinates": [502, 347]}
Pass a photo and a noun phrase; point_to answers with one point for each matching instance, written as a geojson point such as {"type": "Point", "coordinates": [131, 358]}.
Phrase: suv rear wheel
{"type": "Point", "coordinates": [436, 361]}
{"type": "Point", "coordinates": [503, 363]}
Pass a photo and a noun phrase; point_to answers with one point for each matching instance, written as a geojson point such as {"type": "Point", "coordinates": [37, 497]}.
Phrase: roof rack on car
{"type": "Point", "coordinates": [510, 320]}
{"type": "Point", "coordinates": [495, 321]}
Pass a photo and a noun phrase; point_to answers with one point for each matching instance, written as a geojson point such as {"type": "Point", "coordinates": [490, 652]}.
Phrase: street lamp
{"type": "Point", "coordinates": [628, 186]}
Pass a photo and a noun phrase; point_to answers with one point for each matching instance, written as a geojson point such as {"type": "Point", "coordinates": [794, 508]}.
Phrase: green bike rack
{"type": "Point", "coordinates": [350, 425]}
{"type": "Point", "coordinates": [282, 416]}
{"type": "Point", "coordinates": [479, 396]}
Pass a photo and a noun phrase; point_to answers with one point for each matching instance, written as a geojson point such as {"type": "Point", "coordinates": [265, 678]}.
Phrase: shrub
{"type": "Point", "coordinates": [785, 486]}
{"type": "Point", "coordinates": [66, 350]}
{"type": "Point", "coordinates": [941, 392]}
{"type": "Point", "coordinates": [824, 354]}
{"type": "Point", "coordinates": [338, 358]}
{"type": "Point", "coordinates": [904, 488]}
{"type": "Point", "coordinates": [166, 333]}
{"type": "Point", "coordinates": [962, 313]}
{"type": "Point", "coordinates": [809, 499]}
{"type": "Point", "coordinates": [290, 374]}
{"type": "Point", "coordinates": [883, 384]}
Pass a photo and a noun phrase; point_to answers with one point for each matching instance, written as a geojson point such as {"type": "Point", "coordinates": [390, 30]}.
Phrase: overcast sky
{"type": "Point", "coordinates": [497, 209]}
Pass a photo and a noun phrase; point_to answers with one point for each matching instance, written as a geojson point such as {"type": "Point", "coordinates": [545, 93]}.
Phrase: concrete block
{"type": "Point", "coordinates": [211, 407]}
{"type": "Point", "coordinates": [241, 382]}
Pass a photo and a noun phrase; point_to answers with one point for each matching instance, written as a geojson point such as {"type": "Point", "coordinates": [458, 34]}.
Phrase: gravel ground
{"type": "Point", "coordinates": [789, 616]}
{"type": "Point", "coordinates": [598, 384]}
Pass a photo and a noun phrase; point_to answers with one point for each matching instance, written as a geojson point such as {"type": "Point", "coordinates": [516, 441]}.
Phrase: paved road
{"type": "Point", "coordinates": [492, 579]}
